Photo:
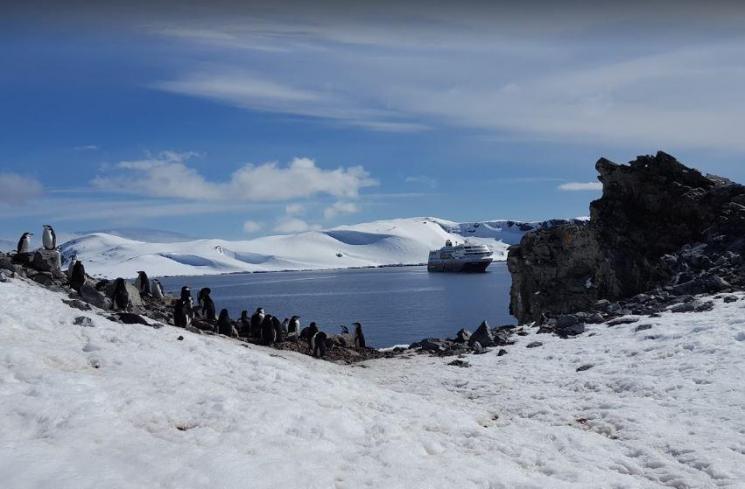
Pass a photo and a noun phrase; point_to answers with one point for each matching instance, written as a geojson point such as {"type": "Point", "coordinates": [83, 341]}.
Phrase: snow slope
{"type": "Point", "coordinates": [131, 406]}
{"type": "Point", "coordinates": [389, 242]}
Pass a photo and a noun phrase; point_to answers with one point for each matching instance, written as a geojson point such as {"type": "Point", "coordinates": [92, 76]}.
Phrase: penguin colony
{"type": "Point", "coordinates": [260, 327]}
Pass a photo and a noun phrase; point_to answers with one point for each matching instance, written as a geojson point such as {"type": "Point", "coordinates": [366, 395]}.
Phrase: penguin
{"type": "Point", "coordinates": [179, 314]}
{"type": "Point", "coordinates": [318, 344]}
{"type": "Point", "coordinates": [120, 296]}
{"type": "Point", "coordinates": [71, 265]}
{"type": "Point", "coordinates": [344, 329]}
{"type": "Point", "coordinates": [206, 304]}
{"type": "Point", "coordinates": [24, 244]}
{"type": "Point", "coordinates": [285, 325]}
{"type": "Point", "coordinates": [256, 320]}
{"type": "Point", "coordinates": [185, 293]}
{"type": "Point", "coordinates": [157, 289]}
{"type": "Point", "coordinates": [293, 328]}
{"type": "Point", "coordinates": [48, 238]}
{"type": "Point", "coordinates": [77, 277]}
{"type": "Point", "coordinates": [245, 328]}
{"type": "Point", "coordinates": [225, 325]}
{"type": "Point", "coordinates": [279, 332]}
{"type": "Point", "coordinates": [359, 336]}
{"type": "Point", "coordinates": [143, 284]}
{"type": "Point", "coordinates": [268, 334]}
{"type": "Point", "coordinates": [187, 305]}
{"type": "Point", "coordinates": [308, 333]}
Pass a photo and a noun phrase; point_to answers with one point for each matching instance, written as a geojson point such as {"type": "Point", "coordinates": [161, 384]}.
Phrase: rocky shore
{"type": "Point", "coordinates": [660, 234]}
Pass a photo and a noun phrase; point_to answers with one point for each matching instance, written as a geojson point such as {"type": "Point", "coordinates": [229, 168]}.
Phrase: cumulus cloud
{"type": "Point", "coordinates": [290, 225]}
{"type": "Point", "coordinates": [168, 175]}
{"type": "Point", "coordinates": [252, 226]}
{"type": "Point", "coordinates": [17, 190]}
{"type": "Point", "coordinates": [294, 209]}
{"type": "Point", "coordinates": [339, 208]}
{"type": "Point", "coordinates": [581, 186]}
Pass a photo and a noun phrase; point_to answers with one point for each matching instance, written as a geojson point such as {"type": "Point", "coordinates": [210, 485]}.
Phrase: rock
{"type": "Point", "coordinates": [180, 338]}
{"type": "Point", "coordinates": [730, 298]}
{"type": "Point", "coordinates": [623, 320]}
{"type": "Point", "coordinates": [642, 327]}
{"type": "Point", "coordinates": [462, 336]}
{"type": "Point", "coordinates": [534, 344]}
{"type": "Point", "coordinates": [344, 340]}
{"type": "Point", "coordinates": [573, 330]}
{"type": "Point", "coordinates": [502, 336]}
{"type": "Point", "coordinates": [134, 294]}
{"type": "Point", "coordinates": [459, 363]}
{"type": "Point", "coordinates": [83, 321]}
{"type": "Point", "coordinates": [584, 367]}
{"type": "Point", "coordinates": [501, 352]}
{"type": "Point", "coordinates": [482, 335]}
{"type": "Point", "coordinates": [3, 278]}
{"type": "Point", "coordinates": [477, 348]}
{"type": "Point", "coordinates": [89, 294]}
{"type": "Point", "coordinates": [131, 318]}
{"type": "Point", "coordinates": [659, 225]}
{"type": "Point", "coordinates": [684, 307]}
{"type": "Point", "coordinates": [43, 278]}
{"type": "Point", "coordinates": [77, 304]}
{"type": "Point", "coordinates": [704, 306]}
{"type": "Point", "coordinates": [566, 320]}
{"type": "Point", "coordinates": [46, 261]}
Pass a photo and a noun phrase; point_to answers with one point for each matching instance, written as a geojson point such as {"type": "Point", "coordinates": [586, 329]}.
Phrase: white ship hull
{"type": "Point", "coordinates": [466, 258]}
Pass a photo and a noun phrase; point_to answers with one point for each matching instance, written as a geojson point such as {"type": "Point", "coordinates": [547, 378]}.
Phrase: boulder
{"type": "Point", "coordinates": [482, 335]}
{"type": "Point", "coordinates": [130, 318]}
{"type": "Point", "coordinates": [89, 294]}
{"type": "Point", "coordinates": [77, 304]}
{"type": "Point", "coordinates": [534, 344]}
{"type": "Point", "coordinates": [83, 321]}
{"type": "Point", "coordinates": [43, 278]}
{"type": "Point", "coordinates": [462, 336]}
{"type": "Point", "coordinates": [47, 261]}
{"type": "Point", "coordinates": [134, 294]}
{"type": "Point", "coordinates": [571, 330]}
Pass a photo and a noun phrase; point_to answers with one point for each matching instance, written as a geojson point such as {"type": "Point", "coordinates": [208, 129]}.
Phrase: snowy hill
{"type": "Point", "coordinates": [125, 406]}
{"type": "Point", "coordinates": [389, 242]}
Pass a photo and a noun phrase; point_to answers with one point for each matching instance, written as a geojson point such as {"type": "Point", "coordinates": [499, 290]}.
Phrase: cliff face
{"type": "Point", "coordinates": [659, 225]}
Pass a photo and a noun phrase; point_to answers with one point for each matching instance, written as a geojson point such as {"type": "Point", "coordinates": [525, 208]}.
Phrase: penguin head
{"type": "Point", "coordinates": [47, 226]}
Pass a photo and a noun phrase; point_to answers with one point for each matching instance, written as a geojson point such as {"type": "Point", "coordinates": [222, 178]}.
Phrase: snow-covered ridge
{"type": "Point", "coordinates": [379, 243]}
{"type": "Point", "coordinates": [654, 404]}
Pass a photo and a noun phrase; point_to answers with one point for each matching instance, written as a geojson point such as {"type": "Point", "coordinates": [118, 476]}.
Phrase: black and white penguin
{"type": "Point", "coordinates": [157, 289]}
{"type": "Point", "coordinates": [179, 314]}
{"type": "Point", "coordinates": [206, 304]}
{"type": "Point", "coordinates": [285, 326]}
{"type": "Point", "coordinates": [256, 320]}
{"type": "Point", "coordinates": [77, 276]}
{"type": "Point", "coordinates": [187, 304]}
{"type": "Point", "coordinates": [308, 333]}
{"type": "Point", "coordinates": [318, 344]}
{"type": "Point", "coordinates": [225, 325]}
{"type": "Point", "coordinates": [245, 328]}
{"type": "Point", "coordinates": [268, 333]}
{"type": "Point", "coordinates": [279, 335]}
{"type": "Point", "coordinates": [359, 336]}
{"type": "Point", "coordinates": [71, 265]}
{"type": "Point", "coordinates": [48, 238]}
{"type": "Point", "coordinates": [293, 327]}
{"type": "Point", "coordinates": [143, 283]}
{"type": "Point", "coordinates": [120, 297]}
{"type": "Point", "coordinates": [24, 244]}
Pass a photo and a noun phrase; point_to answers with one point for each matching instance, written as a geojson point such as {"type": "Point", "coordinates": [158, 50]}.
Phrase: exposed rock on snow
{"type": "Point", "coordinates": [658, 225]}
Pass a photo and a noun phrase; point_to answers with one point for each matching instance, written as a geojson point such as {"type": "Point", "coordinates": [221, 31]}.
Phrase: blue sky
{"type": "Point", "coordinates": [236, 121]}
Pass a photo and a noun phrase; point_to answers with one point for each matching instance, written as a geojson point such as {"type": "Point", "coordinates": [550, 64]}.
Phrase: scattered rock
{"type": "Point", "coordinates": [459, 363]}
{"type": "Point", "coordinates": [77, 304]}
{"type": "Point", "coordinates": [83, 321]}
{"type": "Point", "coordinates": [571, 330]}
{"type": "Point", "coordinates": [44, 278]}
{"type": "Point", "coordinates": [704, 306]}
{"type": "Point", "coordinates": [623, 320]}
{"type": "Point", "coordinates": [46, 260]}
{"type": "Point", "coordinates": [730, 298]}
{"type": "Point", "coordinates": [180, 338]}
{"type": "Point", "coordinates": [130, 318]}
{"type": "Point", "coordinates": [462, 336]}
{"type": "Point", "coordinates": [89, 294]}
{"type": "Point", "coordinates": [501, 352]}
{"type": "Point", "coordinates": [642, 327]}
{"type": "Point", "coordinates": [684, 307]}
{"type": "Point", "coordinates": [534, 344]}
{"type": "Point", "coordinates": [3, 278]}
{"type": "Point", "coordinates": [584, 367]}
{"type": "Point", "coordinates": [482, 335]}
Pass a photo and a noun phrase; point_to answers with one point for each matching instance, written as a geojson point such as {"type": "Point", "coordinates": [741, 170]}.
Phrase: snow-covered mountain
{"type": "Point", "coordinates": [388, 242]}
{"type": "Point", "coordinates": [91, 403]}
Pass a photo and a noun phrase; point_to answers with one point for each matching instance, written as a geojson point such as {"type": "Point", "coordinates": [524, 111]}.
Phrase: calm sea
{"type": "Point", "coordinates": [394, 305]}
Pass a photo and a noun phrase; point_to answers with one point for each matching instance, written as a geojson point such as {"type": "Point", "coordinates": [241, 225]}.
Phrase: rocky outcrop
{"type": "Point", "coordinates": [659, 226]}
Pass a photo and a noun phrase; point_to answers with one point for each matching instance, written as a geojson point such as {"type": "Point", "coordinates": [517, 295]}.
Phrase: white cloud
{"type": "Point", "coordinates": [581, 186]}
{"type": "Point", "coordinates": [289, 225]}
{"type": "Point", "coordinates": [251, 226]}
{"type": "Point", "coordinates": [294, 209]}
{"type": "Point", "coordinates": [167, 175]}
{"type": "Point", "coordinates": [339, 208]}
{"type": "Point", "coordinates": [422, 180]}
{"type": "Point", "coordinates": [17, 190]}
{"type": "Point", "coordinates": [86, 147]}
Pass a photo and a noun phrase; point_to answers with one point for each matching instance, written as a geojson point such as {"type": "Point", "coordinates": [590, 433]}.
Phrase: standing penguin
{"type": "Point", "coordinates": [180, 318]}
{"type": "Point", "coordinates": [48, 238]}
{"type": "Point", "coordinates": [256, 320]}
{"type": "Point", "coordinates": [206, 304]}
{"type": "Point", "coordinates": [187, 304]}
{"type": "Point", "coordinates": [359, 336]}
{"type": "Point", "coordinates": [268, 334]}
{"type": "Point", "coordinates": [308, 333]}
{"type": "Point", "coordinates": [245, 329]}
{"type": "Point", "coordinates": [157, 289]}
{"type": "Point", "coordinates": [24, 244]}
{"type": "Point", "coordinates": [71, 265]}
{"type": "Point", "coordinates": [77, 276]}
{"type": "Point", "coordinates": [318, 344]}
{"type": "Point", "coordinates": [120, 296]}
{"type": "Point", "coordinates": [143, 283]}
{"type": "Point", "coordinates": [279, 332]}
{"type": "Point", "coordinates": [293, 327]}
{"type": "Point", "coordinates": [225, 325]}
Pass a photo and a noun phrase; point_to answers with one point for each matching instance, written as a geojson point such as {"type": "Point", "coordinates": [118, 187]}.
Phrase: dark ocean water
{"type": "Point", "coordinates": [394, 305]}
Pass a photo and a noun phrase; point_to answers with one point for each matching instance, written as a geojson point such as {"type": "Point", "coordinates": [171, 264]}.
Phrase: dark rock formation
{"type": "Point", "coordinates": [660, 227]}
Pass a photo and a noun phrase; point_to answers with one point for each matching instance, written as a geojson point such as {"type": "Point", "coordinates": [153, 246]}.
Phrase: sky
{"type": "Point", "coordinates": [240, 119]}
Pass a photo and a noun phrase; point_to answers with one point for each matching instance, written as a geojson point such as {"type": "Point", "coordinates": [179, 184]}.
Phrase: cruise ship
{"type": "Point", "coordinates": [466, 257]}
